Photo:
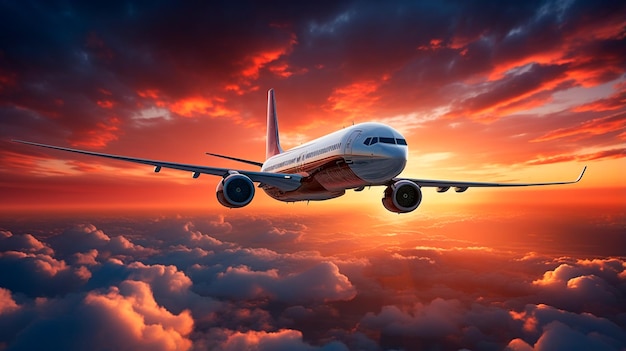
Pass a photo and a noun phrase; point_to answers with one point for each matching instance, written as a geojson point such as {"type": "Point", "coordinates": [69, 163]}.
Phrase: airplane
{"type": "Point", "coordinates": [356, 157]}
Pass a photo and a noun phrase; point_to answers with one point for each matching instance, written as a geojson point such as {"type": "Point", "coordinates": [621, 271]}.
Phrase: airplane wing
{"type": "Point", "coordinates": [461, 186]}
{"type": "Point", "coordinates": [284, 182]}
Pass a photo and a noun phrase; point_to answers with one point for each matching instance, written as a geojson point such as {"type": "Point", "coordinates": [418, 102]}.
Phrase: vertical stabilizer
{"type": "Point", "coordinates": [273, 143]}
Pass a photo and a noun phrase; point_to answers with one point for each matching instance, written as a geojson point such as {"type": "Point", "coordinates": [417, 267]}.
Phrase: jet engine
{"type": "Point", "coordinates": [235, 191]}
{"type": "Point", "coordinates": [402, 196]}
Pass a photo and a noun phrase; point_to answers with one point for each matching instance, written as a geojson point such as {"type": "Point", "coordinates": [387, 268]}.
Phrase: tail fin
{"type": "Point", "coordinates": [273, 143]}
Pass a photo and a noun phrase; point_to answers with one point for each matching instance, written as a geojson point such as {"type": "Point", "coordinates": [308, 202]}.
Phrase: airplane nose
{"type": "Point", "coordinates": [396, 152]}
{"type": "Point", "coordinates": [387, 162]}
{"type": "Point", "coordinates": [395, 159]}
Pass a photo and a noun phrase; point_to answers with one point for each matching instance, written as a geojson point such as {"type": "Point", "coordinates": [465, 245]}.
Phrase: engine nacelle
{"type": "Point", "coordinates": [235, 191]}
{"type": "Point", "coordinates": [402, 196]}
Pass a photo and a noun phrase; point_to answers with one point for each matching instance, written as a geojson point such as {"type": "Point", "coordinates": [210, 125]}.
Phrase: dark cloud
{"type": "Point", "coordinates": [549, 328]}
{"type": "Point", "coordinates": [322, 282]}
{"type": "Point", "coordinates": [79, 67]}
{"type": "Point", "coordinates": [40, 274]}
{"type": "Point", "coordinates": [83, 238]}
{"type": "Point", "coordinates": [85, 69]}
{"type": "Point", "coordinates": [435, 320]}
{"type": "Point", "coordinates": [23, 243]}
{"type": "Point", "coordinates": [509, 89]}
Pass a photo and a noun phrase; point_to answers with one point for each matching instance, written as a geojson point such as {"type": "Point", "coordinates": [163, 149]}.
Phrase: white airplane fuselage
{"type": "Point", "coordinates": [340, 161]}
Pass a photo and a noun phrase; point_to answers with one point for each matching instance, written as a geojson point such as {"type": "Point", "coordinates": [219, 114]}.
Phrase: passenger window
{"type": "Point", "coordinates": [367, 141]}
{"type": "Point", "coordinates": [401, 141]}
{"type": "Point", "coordinates": [387, 140]}
{"type": "Point", "coordinates": [374, 140]}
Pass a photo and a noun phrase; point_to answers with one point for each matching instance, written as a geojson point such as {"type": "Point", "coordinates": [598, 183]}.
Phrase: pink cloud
{"type": "Point", "coordinates": [40, 263]}
{"type": "Point", "coordinates": [137, 321]}
{"type": "Point", "coordinates": [161, 277]}
{"type": "Point", "coordinates": [23, 243]}
{"type": "Point", "coordinates": [7, 304]}
{"type": "Point", "coordinates": [518, 345]}
{"type": "Point", "coordinates": [321, 282]}
{"type": "Point", "coordinates": [284, 339]}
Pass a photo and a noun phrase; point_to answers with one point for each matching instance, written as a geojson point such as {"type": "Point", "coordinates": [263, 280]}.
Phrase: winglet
{"type": "Point", "coordinates": [581, 175]}
{"type": "Point", "coordinates": [272, 146]}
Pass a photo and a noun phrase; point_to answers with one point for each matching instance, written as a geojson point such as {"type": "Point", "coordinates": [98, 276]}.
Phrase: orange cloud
{"type": "Point", "coordinates": [263, 340]}
{"type": "Point", "coordinates": [137, 319]}
{"type": "Point", "coordinates": [356, 99]}
{"type": "Point", "coordinates": [588, 72]}
{"type": "Point", "coordinates": [235, 88]}
{"type": "Point", "coordinates": [13, 160]}
{"type": "Point", "coordinates": [283, 70]}
{"type": "Point", "coordinates": [554, 57]}
{"type": "Point", "coordinates": [530, 321]}
{"type": "Point", "coordinates": [434, 44]}
{"type": "Point", "coordinates": [267, 58]}
{"type": "Point", "coordinates": [98, 137]}
{"type": "Point", "coordinates": [255, 62]}
{"type": "Point", "coordinates": [597, 126]}
{"type": "Point", "coordinates": [528, 101]}
{"type": "Point", "coordinates": [613, 102]}
{"type": "Point", "coordinates": [149, 93]}
{"type": "Point", "coordinates": [192, 106]}
{"type": "Point", "coordinates": [588, 65]}
{"type": "Point", "coordinates": [611, 27]}
{"type": "Point", "coordinates": [512, 94]}
{"type": "Point", "coordinates": [107, 104]}
{"type": "Point", "coordinates": [604, 154]}
{"type": "Point", "coordinates": [258, 61]}
{"type": "Point", "coordinates": [195, 106]}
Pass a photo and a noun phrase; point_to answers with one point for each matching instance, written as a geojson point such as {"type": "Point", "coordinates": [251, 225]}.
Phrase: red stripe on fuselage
{"type": "Point", "coordinates": [327, 178]}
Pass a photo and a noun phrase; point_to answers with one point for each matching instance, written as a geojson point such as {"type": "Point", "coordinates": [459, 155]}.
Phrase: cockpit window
{"type": "Point", "coordinates": [385, 140]}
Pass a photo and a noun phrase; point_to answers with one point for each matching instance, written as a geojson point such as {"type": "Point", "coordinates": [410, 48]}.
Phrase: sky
{"type": "Point", "coordinates": [482, 91]}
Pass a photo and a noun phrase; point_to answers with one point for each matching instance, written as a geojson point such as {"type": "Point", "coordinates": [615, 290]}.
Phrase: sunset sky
{"type": "Point", "coordinates": [482, 91]}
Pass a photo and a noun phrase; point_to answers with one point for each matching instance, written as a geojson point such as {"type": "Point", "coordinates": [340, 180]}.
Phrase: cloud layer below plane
{"type": "Point", "coordinates": [171, 284]}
